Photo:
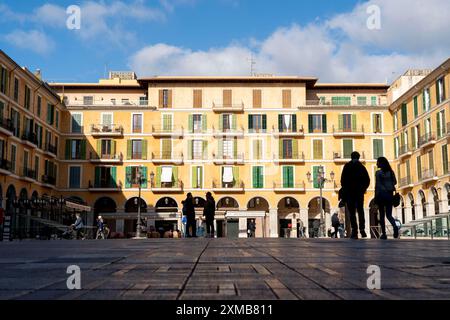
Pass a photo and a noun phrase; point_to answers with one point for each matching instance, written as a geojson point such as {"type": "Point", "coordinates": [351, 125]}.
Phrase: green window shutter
{"type": "Point", "coordinates": [194, 177]}
{"type": "Point", "coordinates": [294, 123]}
{"type": "Point", "coordinates": [264, 122]}
{"type": "Point", "coordinates": [129, 149]}
{"type": "Point", "coordinates": [83, 149]}
{"type": "Point", "coordinates": [201, 177]}
{"type": "Point", "coordinates": [416, 107]}
{"type": "Point", "coordinates": [315, 176]}
{"type": "Point", "coordinates": [290, 177]}
{"type": "Point", "coordinates": [445, 158]}
{"type": "Point", "coordinates": [438, 122]}
{"type": "Point", "coordinates": [354, 122]}
{"type": "Point", "coordinates": [250, 122]}
{"type": "Point", "coordinates": [233, 122]}
{"type": "Point", "coordinates": [310, 123]}
{"type": "Point", "coordinates": [280, 123]}
{"type": "Point", "coordinates": [220, 153]}
{"type": "Point", "coordinates": [205, 149]}
{"type": "Point", "coordinates": [419, 168]}
{"type": "Point", "coordinates": [204, 123]}
{"type": "Point", "coordinates": [295, 149]}
{"type": "Point", "coordinates": [144, 149]}
{"type": "Point", "coordinates": [413, 137]}
{"type": "Point", "coordinates": [324, 123]}
{"type": "Point", "coordinates": [99, 148]}
{"type": "Point", "coordinates": [191, 123]}
{"type": "Point", "coordinates": [348, 148]}
{"type": "Point", "coordinates": [341, 122]}
{"type": "Point", "coordinates": [128, 177]}
{"type": "Point", "coordinates": [423, 101]}
{"type": "Point", "coordinates": [113, 148]}
{"type": "Point", "coordinates": [404, 114]}
{"type": "Point", "coordinates": [236, 176]}
{"type": "Point", "coordinates": [235, 148]}
{"type": "Point", "coordinates": [376, 151]}
{"type": "Point", "coordinates": [280, 148]}
{"type": "Point", "coordinates": [260, 177]}
{"type": "Point", "coordinates": [97, 176]}
{"type": "Point", "coordinates": [190, 145]}
{"type": "Point", "coordinates": [374, 101]}
{"type": "Point", "coordinates": [144, 178]}
{"type": "Point", "coordinates": [158, 177]}
{"type": "Point", "coordinates": [175, 174]}
{"type": "Point", "coordinates": [437, 91]}
{"type": "Point", "coordinates": [68, 145]}
{"type": "Point", "coordinates": [221, 122]}
{"type": "Point", "coordinates": [255, 177]}
{"type": "Point", "coordinates": [285, 177]}
{"type": "Point", "coordinates": [114, 176]}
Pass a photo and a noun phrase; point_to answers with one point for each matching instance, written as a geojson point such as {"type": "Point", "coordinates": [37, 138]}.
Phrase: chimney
{"type": "Point", "coordinates": [38, 74]}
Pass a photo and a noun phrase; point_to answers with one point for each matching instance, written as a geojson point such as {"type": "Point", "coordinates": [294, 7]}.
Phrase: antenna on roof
{"type": "Point", "coordinates": [252, 65]}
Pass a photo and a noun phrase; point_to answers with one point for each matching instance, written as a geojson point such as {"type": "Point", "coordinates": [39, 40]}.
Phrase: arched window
{"type": "Point", "coordinates": [413, 206]}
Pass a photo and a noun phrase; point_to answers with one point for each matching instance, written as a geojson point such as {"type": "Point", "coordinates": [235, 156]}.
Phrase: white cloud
{"type": "Point", "coordinates": [341, 49]}
{"type": "Point", "coordinates": [33, 40]}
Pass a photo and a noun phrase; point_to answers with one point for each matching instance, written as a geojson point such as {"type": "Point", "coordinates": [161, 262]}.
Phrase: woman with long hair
{"type": "Point", "coordinates": [384, 195]}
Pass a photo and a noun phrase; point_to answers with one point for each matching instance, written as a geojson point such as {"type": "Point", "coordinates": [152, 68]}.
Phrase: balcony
{"type": "Point", "coordinates": [49, 181]}
{"type": "Point", "coordinates": [448, 129]}
{"type": "Point", "coordinates": [168, 187]}
{"type": "Point", "coordinates": [427, 140]}
{"type": "Point", "coordinates": [163, 132]}
{"type": "Point", "coordinates": [30, 139]}
{"type": "Point", "coordinates": [6, 126]}
{"type": "Point", "coordinates": [168, 158]}
{"type": "Point", "coordinates": [340, 158]}
{"type": "Point", "coordinates": [29, 175]}
{"type": "Point", "coordinates": [296, 187]}
{"type": "Point", "coordinates": [328, 103]}
{"type": "Point", "coordinates": [105, 186]}
{"type": "Point", "coordinates": [235, 107]}
{"type": "Point", "coordinates": [429, 175]}
{"type": "Point", "coordinates": [289, 158]}
{"type": "Point", "coordinates": [404, 152]}
{"type": "Point", "coordinates": [106, 158]}
{"type": "Point", "coordinates": [5, 167]}
{"type": "Point", "coordinates": [121, 103]}
{"type": "Point", "coordinates": [112, 130]}
{"type": "Point", "coordinates": [222, 187]}
{"type": "Point", "coordinates": [348, 132]}
{"type": "Point", "coordinates": [288, 133]}
{"type": "Point", "coordinates": [239, 133]}
{"type": "Point", "coordinates": [406, 183]}
{"type": "Point", "coordinates": [51, 150]}
{"type": "Point", "coordinates": [230, 160]}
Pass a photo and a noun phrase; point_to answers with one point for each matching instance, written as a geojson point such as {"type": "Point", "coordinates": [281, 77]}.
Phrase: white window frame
{"type": "Point", "coordinates": [132, 122]}
{"type": "Point", "coordinates": [107, 113]}
{"type": "Point", "coordinates": [203, 176]}
{"type": "Point", "coordinates": [372, 114]}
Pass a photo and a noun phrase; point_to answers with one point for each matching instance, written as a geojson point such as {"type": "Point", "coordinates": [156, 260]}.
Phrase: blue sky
{"type": "Point", "coordinates": [322, 38]}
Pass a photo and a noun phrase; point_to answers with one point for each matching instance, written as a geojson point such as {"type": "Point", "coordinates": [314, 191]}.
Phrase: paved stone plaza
{"type": "Point", "coordinates": [221, 269]}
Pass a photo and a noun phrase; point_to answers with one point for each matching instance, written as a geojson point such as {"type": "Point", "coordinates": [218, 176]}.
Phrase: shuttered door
{"type": "Point", "coordinates": [227, 98]}
{"type": "Point", "coordinates": [128, 177]}
{"type": "Point", "coordinates": [198, 98]}
{"type": "Point", "coordinates": [287, 100]}
{"type": "Point", "coordinates": [257, 101]}
{"type": "Point", "coordinates": [348, 148]}
{"type": "Point", "coordinates": [166, 148]}
{"type": "Point", "coordinates": [318, 149]}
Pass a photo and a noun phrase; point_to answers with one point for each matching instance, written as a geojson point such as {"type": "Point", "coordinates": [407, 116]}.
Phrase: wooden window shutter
{"type": "Point", "coordinates": [257, 101]}
{"type": "Point", "coordinates": [161, 99]}
{"type": "Point", "coordinates": [169, 99]}
{"type": "Point", "coordinates": [287, 100]}
{"type": "Point", "coordinates": [227, 98]}
{"type": "Point", "coordinates": [198, 99]}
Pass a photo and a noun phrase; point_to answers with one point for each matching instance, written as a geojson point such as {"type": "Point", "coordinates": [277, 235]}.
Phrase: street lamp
{"type": "Point", "coordinates": [139, 225]}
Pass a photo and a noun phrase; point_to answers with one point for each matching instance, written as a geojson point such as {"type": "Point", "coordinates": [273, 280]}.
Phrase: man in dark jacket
{"type": "Point", "coordinates": [209, 212]}
{"type": "Point", "coordinates": [354, 181]}
{"type": "Point", "coordinates": [189, 211]}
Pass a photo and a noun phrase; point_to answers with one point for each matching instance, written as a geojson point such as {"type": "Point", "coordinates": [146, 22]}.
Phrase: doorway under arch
{"type": "Point", "coordinates": [316, 221]}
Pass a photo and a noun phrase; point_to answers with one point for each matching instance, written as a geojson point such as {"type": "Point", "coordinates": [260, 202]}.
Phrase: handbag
{"type": "Point", "coordinates": [396, 199]}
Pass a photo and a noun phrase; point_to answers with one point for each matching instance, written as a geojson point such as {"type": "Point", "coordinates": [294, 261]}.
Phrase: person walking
{"type": "Point", "coordinates": [209, 211]}
{"type": "Point", "coordinates": [384, 194]}
{"type": "Point", "coordinates": [78, 227]}
{"type": "Point", "coordinates": [189, 211]}
{"type": "Point", "coordinates": [335, 223]}
{"type": "Point", "coordinates": [100, 228]}
{"type": "Point", "coordinates": [354, 181]}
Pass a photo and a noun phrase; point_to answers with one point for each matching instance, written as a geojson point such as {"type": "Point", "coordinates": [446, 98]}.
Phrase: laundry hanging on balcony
{"type": "Point", "coordinates": [166, 174]}
{"type": "Point", "coordinates": [227, 175]}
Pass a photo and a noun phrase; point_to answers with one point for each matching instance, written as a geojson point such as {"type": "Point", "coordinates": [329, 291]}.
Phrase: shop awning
{"type": "Point", "coordinates": [227, 175]}
{"type": "Point", "coordinates": [166, 174]}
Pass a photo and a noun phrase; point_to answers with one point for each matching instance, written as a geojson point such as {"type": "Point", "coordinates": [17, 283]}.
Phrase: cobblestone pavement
{"type": "Point", "coordinates": [222, 269]}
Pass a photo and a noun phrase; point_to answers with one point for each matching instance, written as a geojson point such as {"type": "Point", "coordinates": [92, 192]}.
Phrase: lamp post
{"type": "Point", "coordinates": [139, 224]}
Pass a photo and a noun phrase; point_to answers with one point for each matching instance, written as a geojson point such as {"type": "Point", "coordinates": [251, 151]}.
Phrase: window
{"type": "Point", "coordinates": [39, 106]}
{"type": "Point", "coordinates": [107, 119]}
{"type": "Point", "coordinates": [228, 149]}
{"type": "Point", "coordinates": [416, 107]}
{"type": "Point", "coordinates": [440, 120]}
{"type": "Point", "coordinates": [27, 97]}
{"type": "Point", "coordinates": [197, 177]}
{"type": "Point", "coordinates": [257, 123]}
{"type": "Point", "coordinates": [404, 114]}
{"type": "Point", "coordinates": [74, 177]}
{"type": "Point", "coordinates": [288, 177]}
{"type": "Point", "coordinates": [76, 122]}
{"type": "Point", "coordinates": [16, 90]}
{"type": "Point", "coordinates": [229, 176]}
{"type": "Point", "coordinates": [15, 119]}
{"type": "Point", "coordinates": [287, 152]}
{"type": "Point", "coordinates": [419, 167]}
{"type": "Point", "coordinates": [415, 134]}
{"type": "Point", "coordinates": [317, 123]}
{"type": "Point", "coordinates": [287, 122]}
{"type": "Point", "coordinates": [88, 100]}
{"type": "Point", "coordinates": [377, 123]}
{"type": "Point", "coordinates": [428, 126]}
{"type": "Point", "coordinates": [50, 113]}
{"type": "Point", "coordinates": [258, 177]}
{"type": "Point", "coordinates": [165, 98]}
{"type": "Point", "coordinates": [197, 149]}
{"type": "Point", "coordinates": [431, 160]}
{"type": "Point", "coordinates": [2, 153]}
{"type": "Point", "coordinates": [132, 177]}
{"type": "Point", "coordinates": [362, 101]}
{"type": "Point", "coordinates": [106, 148]}
{"type": "Point", "coordinates": [348, 148]}
{"type": "Point", "coordinates": [167, 122]}
{"type": "Point", "coordinates": [341, 101]}
{"type": "Point", "coordinates": [2, 110]}
{"type": "Point", "coordinates": [257, 149]}
{"type": "Point", "coordinates": [426, 99]}
{"type": "Point", "coordinates": [396, 121]}
{"type": "Point", "coordinates": [105, 177]}
{"type": "Point", "coordinates": [36, 166]}
{"type": "Point", "coordinates": [13, 158]}
{"type": "Point", "coordinates": [445, 164]}
{"type": "Point", "coordinates": [317, 149]}
{"type": "Point", "coordinates": [25, 161]}
{"type": "Point", "coordinates": [197, 123]}
{"type": "Point", "coordinates": [166, 148]}
{"type": "Point", "coordinates": [38, 130]}
{"type": "Point", "coordinates": [137, 123]}
{"type": "Point", "coordinates": [440, 90]}
{"type": "Point", "coordinates": [347, 122]}
{"type": "Point", "coordinates": [75, 149]}
{"type": "Point", "coordinates": [143, 101]}
{"type": "Point", "coordinates": [378, 148]}
{"type": "Point", "coordinates": [374, 101]}
{"type": "Point", "coordinates": [136, 147]}
{"type": "Point", "coordinates": [3, 79]}
{"type": "Point", "coordinates": [396, 147]}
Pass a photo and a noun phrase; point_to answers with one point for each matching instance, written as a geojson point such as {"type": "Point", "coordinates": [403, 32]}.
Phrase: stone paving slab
{"type": "Point", "coordinates": [225, 269]}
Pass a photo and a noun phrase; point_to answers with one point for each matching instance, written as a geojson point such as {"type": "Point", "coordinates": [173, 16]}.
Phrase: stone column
{"type": "Point", "coordinates": [243, 228]}
{"type": "Point", "coordinates": [273, 223]}
{"type": "Point", "coordinates": [120, 225]}
{"type": "Point", "coordinates": [419, 214]}
{"type": "Point", "coordinates": [443, 206]}
{"type": "Point", "coordinates": [408, 214]}
{"type": "Point", "coordinates": [430, 209]}
{"type": "Point", "coordinates": [294, 231]}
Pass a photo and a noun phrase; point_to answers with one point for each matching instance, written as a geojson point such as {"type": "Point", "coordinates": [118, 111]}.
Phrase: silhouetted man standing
{"type": "Point", "coordinates": [355, 181]}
